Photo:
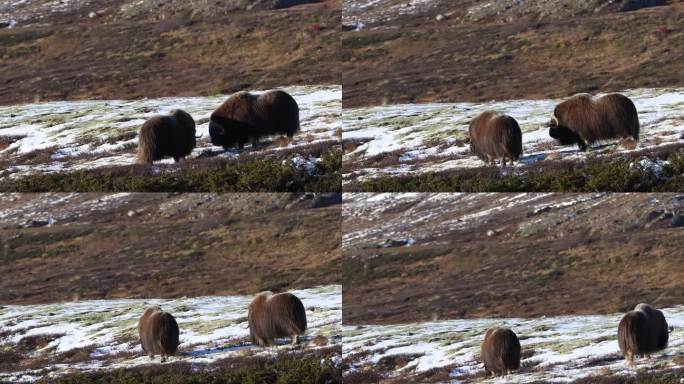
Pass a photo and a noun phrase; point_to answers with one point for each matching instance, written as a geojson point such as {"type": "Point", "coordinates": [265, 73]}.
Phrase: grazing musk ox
{"type": "Point", "coordinates": [494, 135]}
{"type": "Point", "coordinates": [642, 331]}
{"type": "Point", "coordinates": [162, 136]}
{"type": "Point", "coordinates": [158, 332]}
{"type": "Point", "coordinates": [246, 117]}
{"type": "Point", "coordinates": [272, 316]}
{"type": "Point", "coordinates": [500, 351]}
{"type": "Point", "coordinates": [584, 119]}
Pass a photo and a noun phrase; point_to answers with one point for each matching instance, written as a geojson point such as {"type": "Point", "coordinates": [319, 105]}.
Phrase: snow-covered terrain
{"type": "Point", "coordinates": [431, 137]}
{"type": "Point", "coordinates": [89, 134]}
{"type": "Point", "coordinates": [361, 12]}
{"type": "Point", "coordinates": [555, 349]}
{"type": "Point", "coordinates": [211, 328]}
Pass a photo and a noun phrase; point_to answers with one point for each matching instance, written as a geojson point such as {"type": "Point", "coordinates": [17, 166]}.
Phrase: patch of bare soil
{"type": "Point", "coordinates": [477, 53]}
{"type": "Point", "coordinates": [178, 48]}
{"type": "Point", "coordinates": [473, 256]}
{"type": "Point", "coordinates": [56, 247]}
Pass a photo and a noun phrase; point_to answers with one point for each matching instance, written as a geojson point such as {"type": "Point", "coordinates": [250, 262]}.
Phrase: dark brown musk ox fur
{"type": "Point", "coordinates": [158, 332]}
{"type": "Point", "coordinates": [246, 117]}
{"type": "Point", "coordinates": [584, 120]}
{"type": "Point", "coordinates": [500, 351]}
{"type": "Point", "coordinates": [494, 135]}
{"type": "Point", "coordinates": [271, 316]}
{"type": "Point", "coordinates": [162, 136]}
{"type": "Point", "coordinates": [642, 331]}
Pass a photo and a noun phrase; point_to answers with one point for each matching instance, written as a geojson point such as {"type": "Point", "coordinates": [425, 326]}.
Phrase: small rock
{"type": "Point", "coordinates": [440, 17]}
{"type": "Point", "coordinates": [678, 220]}
{"type": "Point", "coordinates": [92, 15]}
{"type": "Point", "coordinates": [491, 233]}
{"type": "Point", "coordinates": [132, 213]}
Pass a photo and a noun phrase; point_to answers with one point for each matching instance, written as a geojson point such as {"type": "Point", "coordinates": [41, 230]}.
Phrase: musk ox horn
{"type": "Point", "coordinates": [245, 117]}
{"type": "Point", "coordinates": [494, 135]}
{"type": "Point", "coordinates": [500, 351]}
{"type": "Point", "coordinates": [584, 120]}
{"type": "Point", "coordinates": [158, 333]}
{"type": "Point", "coordinates": [166, 136]}
{"type": "Point", "coordinates": [642, 331]}
{"type": "Point", "coordinates": [272, 316]}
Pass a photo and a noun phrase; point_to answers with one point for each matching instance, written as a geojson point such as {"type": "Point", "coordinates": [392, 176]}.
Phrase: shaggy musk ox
{"type": "Point", "coordinates": [494, 135]}
{"type": "Point", "coordinates": [246, 117]}
{"type": "Point", "coordinates": [162, 136]}
{"type": "Point", "coordinates": [500, 351]}
{"type": "Point", "coordinates": [272, 316]}
{"type": "Point", "coordinates": [642, 331]}
{"type": "Point", "coordinates": [158, 332]}
{"type": "Point", "coordinates": [585, 119]}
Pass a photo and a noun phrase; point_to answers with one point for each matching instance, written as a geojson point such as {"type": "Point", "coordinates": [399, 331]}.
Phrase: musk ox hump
{"type": "Point", "coordinates": [500, 351]}
{"type": "Point", "coordinates": [272, 316]}
{"type": "Point", "coordinates": [494, 135]}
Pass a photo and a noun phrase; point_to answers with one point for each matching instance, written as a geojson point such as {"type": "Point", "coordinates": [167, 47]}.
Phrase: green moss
{"type": "Point", "coordinates": [616, 175]}
{"type": "Point", "coordinates": [262, 175]}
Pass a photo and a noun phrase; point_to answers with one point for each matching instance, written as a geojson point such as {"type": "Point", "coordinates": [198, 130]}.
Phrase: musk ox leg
{"type": "Point", "coordinates": [255, 142]}
{"type": "Point", "coordinates": [295, 339]}
{"type": "Point", "coordinates": [163, 358]}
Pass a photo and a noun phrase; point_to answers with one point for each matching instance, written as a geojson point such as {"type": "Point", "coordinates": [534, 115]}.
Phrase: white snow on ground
{"type": "Point", "coordinates": [429, 137]}
{"type": "Point", "coordinates": [360, 12]}
{"type": "Point", "coordinates": [211, 328]}
{"type": "Point", "coordinates": [103, 132]}
{"type": "Point", "coordinates": [556, 349]}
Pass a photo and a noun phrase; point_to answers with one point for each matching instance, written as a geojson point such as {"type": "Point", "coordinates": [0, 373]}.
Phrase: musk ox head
{"type": "Point", "coordinates": [166, 136]}
{"type": "Point", "coordinates": [494, 135]}
{"type": "Point", "coordinates": [500, 351]}
{"type": "Point", "coordinates": [584, 119]}
{"type": "Point", "coordinates": [246, 117]}
{"type": "Point", "coordinates": [271, 316]}
{"type": "Point", "coordinates": [642, 331]}
{"type": "Point", "coordinates": [158, 333]}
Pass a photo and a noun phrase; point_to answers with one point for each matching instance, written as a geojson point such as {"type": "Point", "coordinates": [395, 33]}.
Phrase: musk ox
{"type": "Point", "coordinates": [158, 332]}
{"type": "Point", "coordinates": [500, 351]}
{"type": "Point", "coordinates": [246, 117]}
{"type": "Point", "coordinates": [494, 135]}
{"type": "Point", "coordinates": [642, 331]}
{"type": "Point", "coordinates": [272, 316]}
{"type": "Point", "coordinates": [162, 136]}
{"type": "Point", "coordinates": [584, 119]}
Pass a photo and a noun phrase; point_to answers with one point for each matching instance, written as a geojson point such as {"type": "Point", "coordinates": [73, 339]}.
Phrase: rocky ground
{"type": "Point", "coordinates": [421, 257]}
{"type": "Point", "coordinates": [419, 51]}
{"type": "Point", "coordinates": [57, 247]}
{"type": "Point", "coordinates": [126, 49]}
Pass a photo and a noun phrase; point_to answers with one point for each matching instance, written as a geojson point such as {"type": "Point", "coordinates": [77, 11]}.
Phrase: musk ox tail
{"type": "Point", "coordinates": [147, 142]}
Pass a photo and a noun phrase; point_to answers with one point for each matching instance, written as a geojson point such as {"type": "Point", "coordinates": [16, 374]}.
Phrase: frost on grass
{"type": "Point", "coordinates": [431, 137]}
{"type": "Point", "coordinates": [211, 328]}
{"type": "Point", "coordinates": [555, 349]}
{"type": "Point", "coordinates": [71, 135]}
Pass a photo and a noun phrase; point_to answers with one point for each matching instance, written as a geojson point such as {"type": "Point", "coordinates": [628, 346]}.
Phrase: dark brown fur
{"type": "Point", "coordinates": [158, 332]}
{"type": "Point", "coordinates": [500, 351]}
{"type": "Point", "coordinates": [494, 136]}
{"type": "Point", "coordinates": [245, 117]}
{"type": "Point", "coordinates": [162, 136]}
{"type": "Point", "coordinates": [642, 331]}
{"type": "Point", "coordinates": [584, 120]}
{"type": "Point", "coordinates": [272, 316]}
